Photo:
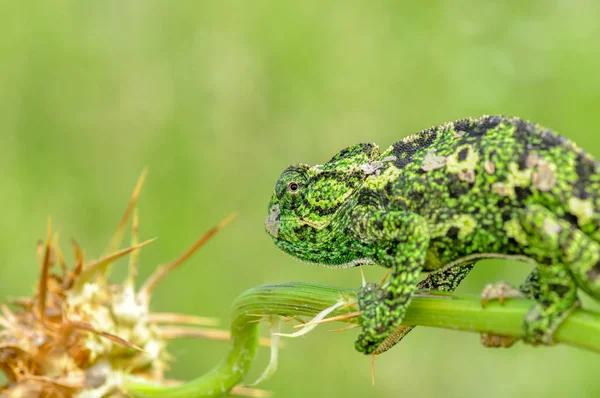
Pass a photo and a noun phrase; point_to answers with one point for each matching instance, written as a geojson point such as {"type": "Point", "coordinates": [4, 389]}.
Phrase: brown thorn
{"type": "Point", "coordinates": [133, 258]}
{"type": "Point", "coordinates": [57, 384]}
{"type": "Point", "coordinates": [25, 302]}
{"type": "Point", "coordinates": [373, 369]}
{"type": "Point", "coordinates": [162, 271]}
{"type": "Point", "coordinates": [14, 346]}
{"type": "Point", "coordinates": [348, 305]}
{"type": "Point", "coordinates": [43, 284]}
{"type": "Point", "coordinates": [345, 296]}
{"type": "Point", "coordinates": [112, 337]}
{"type": "Point", "coordinates": [98, 265]}
{"type": "Point", "coordinates": [332, 319]}
{"type": "Point", "coordinates": [351, 326]}
{"type": "Point", "coordinates": [171, 382]}
{"type": "Point", "coordinates": [39, 251]}
{"type": "Point", "coordinates": [6, 324]}
{"type": "Point", "coordinates": [118, 236]}
{"type": "Point", "coordinates": [8, 314]}
{"type": "Point", "coordinates": [79, 261]}
{"type": "Point", "coordinates": [59, 256]}
{"type": "Point", "coordinates": [362, 275]}
{"type": "Point", "coordinates": [177, 332]}
{"type": "Point", "coordinates": [165, 317]}
{"type": "Point", "coordinates": [250, 392]}
{"type": "Point", "coordinates": [294, 318]}
{"type": "Point", "coordinates": [385, 276]}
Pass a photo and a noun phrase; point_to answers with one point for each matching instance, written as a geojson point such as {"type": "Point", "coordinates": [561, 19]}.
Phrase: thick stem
{"type": "Point", "coordinates": [451, 311]}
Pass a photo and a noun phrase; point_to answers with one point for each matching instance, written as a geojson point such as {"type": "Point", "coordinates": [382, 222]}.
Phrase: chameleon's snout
{"type": "Point", "coordinates": [272, 221]}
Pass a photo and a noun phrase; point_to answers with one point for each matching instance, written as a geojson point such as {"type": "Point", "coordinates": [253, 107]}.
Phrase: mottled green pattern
{"type": "Point", "coordinates": [446, 197]}
{"type": "Point", "coordinates": [445, 280]}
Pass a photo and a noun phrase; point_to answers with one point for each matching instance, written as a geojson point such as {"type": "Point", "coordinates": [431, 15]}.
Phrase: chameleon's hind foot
{"type": "Point", "coordinates": [499, 291]}
{"type": "Point", "coordinates": [497, 341]}
{"type": "Point", "coordinates": [539, 324]}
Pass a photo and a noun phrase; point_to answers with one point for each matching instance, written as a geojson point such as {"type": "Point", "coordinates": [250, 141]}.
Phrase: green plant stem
{"type": "Point", "coordinates": [451, 311]}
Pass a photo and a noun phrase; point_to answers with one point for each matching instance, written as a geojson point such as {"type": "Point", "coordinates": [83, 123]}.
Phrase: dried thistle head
{"type": "Point", "coordinates": [80, 333]}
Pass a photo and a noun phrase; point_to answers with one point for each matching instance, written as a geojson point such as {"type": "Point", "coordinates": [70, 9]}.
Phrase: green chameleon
{"type": "Point", "coordinates": [438, 201]}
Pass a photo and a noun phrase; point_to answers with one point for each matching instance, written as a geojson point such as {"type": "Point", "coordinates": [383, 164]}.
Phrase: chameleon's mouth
{"type": "Point", "coordinates": [272, 221]}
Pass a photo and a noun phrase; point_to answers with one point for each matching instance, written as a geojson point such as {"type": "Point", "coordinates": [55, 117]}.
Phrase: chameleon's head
{"type": "Point", "coordinates": [307, 199]}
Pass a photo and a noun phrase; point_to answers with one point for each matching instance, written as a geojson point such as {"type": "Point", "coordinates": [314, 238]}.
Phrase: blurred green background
{"type": "Point", "coordinates": [217, 97]}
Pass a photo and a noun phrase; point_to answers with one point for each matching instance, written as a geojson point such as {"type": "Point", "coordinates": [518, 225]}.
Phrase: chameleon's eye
{"type": "Point", "coordinates": [293, 187]}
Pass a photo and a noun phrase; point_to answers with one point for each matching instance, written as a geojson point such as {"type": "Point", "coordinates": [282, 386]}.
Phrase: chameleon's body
{"type": "Point", "coordinates": [440, 200]}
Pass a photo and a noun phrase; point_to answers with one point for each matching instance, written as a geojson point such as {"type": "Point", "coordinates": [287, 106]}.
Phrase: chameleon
{"type": "Point", "coordinates": [440, 200]}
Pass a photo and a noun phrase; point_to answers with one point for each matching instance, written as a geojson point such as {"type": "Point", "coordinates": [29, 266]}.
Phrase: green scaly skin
{"type": "Point", "coordinates": [444, 198]}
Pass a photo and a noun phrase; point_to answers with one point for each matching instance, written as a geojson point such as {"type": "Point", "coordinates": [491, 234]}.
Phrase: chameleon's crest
{"type": "Point", "coordinates": [348, 159]}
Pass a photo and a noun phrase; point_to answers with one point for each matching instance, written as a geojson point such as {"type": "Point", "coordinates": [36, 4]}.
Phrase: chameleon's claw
{"type": "Point", "coordinates": [499, 291]}
{"type": "Point", "coordinates": [385, 276]}
{"type": "Point", "coordinates": [497, 341]}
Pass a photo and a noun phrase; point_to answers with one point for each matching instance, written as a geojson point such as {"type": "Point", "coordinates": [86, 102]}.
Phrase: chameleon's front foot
{"type": "Point", "coordinates": [378, 319]}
